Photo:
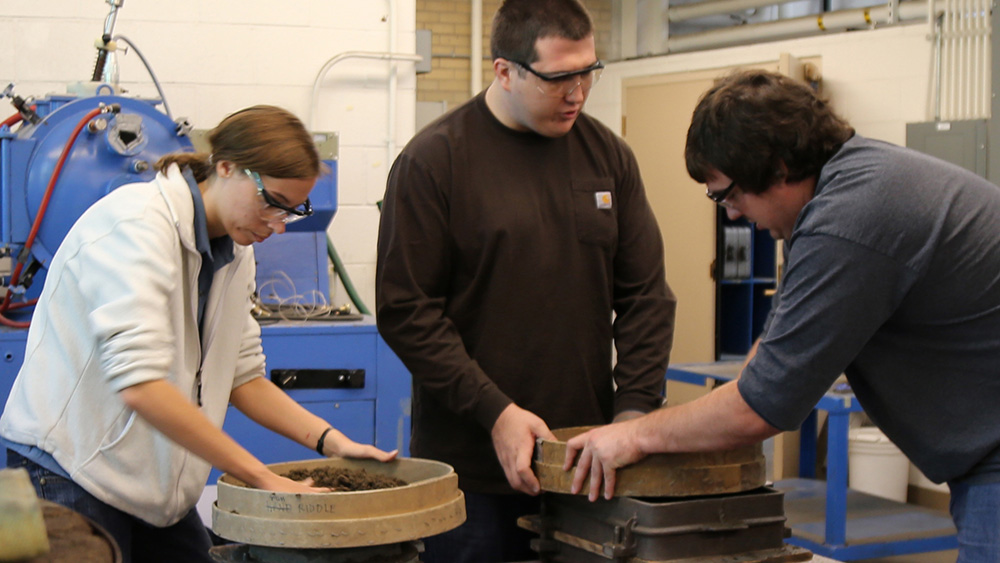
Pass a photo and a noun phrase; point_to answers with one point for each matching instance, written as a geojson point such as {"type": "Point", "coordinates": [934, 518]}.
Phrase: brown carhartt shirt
{"type": "Point", "coordinates": [507, 262]}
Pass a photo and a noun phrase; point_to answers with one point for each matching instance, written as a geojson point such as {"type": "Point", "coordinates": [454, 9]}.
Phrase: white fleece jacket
{"type": "Point", "coordinates": [119, 307]}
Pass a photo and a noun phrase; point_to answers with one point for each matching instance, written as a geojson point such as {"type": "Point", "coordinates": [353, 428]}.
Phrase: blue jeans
{"type": "Point", "coordinates": [976, 511]}
{"type": "Point", "coordinates": [139, 541]}
{"type": "Point", "coordinates": [489, 534]}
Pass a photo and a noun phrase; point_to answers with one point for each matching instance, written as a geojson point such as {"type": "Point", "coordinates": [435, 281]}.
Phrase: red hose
{"type": "Point", "coordinates": [10, 121]}
{"type": "Point", "coordinates": [25, 305]}
{"type": "Point", "coordinates": [13, 324]}
{"type": "Point", "coordinates": [15, 277]}
{"type": "Point", "coordinates": [17, 324]}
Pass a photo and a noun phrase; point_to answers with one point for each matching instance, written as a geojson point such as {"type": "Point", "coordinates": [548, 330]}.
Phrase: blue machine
{"type": "Point", "coordinates": [341, 370]}
{"type": "Point", "coordinates": [115, 147]}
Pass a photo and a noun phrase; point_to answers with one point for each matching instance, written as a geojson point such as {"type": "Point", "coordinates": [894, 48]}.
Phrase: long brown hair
{"type": "Point", "coordinates": [266, 139]}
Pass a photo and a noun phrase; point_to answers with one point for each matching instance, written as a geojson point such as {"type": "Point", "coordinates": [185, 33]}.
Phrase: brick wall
{"type": "Point", "coordinates": [449, 23]}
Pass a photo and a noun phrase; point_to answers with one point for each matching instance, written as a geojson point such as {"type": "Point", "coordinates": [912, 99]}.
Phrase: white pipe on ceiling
{"type": "Point", "coordinates": [797, 27]}
{"type": "Point", "coordinates": [716, 7]}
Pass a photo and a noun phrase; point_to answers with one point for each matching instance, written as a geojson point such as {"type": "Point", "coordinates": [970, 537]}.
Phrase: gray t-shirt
{"type": "Point", "coordinates": [893, 277]}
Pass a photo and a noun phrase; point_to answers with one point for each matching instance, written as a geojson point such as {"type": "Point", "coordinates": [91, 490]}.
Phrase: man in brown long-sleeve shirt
{"type": "Point", "coordinates": [516, 246]}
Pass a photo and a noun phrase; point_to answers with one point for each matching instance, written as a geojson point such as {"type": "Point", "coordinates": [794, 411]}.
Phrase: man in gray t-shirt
{"type": "Point", "coordinates": [892, 276]}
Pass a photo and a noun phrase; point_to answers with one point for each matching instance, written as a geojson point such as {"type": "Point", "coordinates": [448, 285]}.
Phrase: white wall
{"type": "Point", "coordinates": [214, 57]}
{"type": "Point", "coordinates": [217, 56]}
{"type": "Point", "coordinates": [879, 80]}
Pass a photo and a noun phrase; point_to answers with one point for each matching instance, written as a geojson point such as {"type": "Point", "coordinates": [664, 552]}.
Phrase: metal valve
{"type": "Point", "coordinates": [97, 125]}
{"type": "Point", "coordinates": [184, 126]}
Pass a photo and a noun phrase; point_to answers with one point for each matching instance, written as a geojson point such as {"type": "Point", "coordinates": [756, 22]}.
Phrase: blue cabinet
{"type": "Point", "coordinates": [12, 344]}
{"type": "Point", "coordinates": [746, 275]}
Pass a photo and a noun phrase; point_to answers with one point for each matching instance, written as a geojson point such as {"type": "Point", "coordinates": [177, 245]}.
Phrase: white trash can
{"type": "Point", "coordinates": [875, 464]}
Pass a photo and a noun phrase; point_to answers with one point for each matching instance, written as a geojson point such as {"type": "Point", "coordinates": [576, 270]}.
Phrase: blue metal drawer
{"type": "Point", "coordinates": [322, 346]}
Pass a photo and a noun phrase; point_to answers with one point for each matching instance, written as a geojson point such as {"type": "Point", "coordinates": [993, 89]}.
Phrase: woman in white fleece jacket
{"type": "Point", "coordinates": [143, 336]}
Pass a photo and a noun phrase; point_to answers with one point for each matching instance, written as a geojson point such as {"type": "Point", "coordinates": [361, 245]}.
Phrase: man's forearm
{"type": "Point", "coordinates": [627, 415]}
{"type": "Point", "coordinates": [718, 421]}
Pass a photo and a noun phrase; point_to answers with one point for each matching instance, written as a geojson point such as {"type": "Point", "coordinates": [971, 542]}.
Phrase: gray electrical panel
{"type": "Point", "coordinates": [958, 142]}
{"type": "Point", "coordinates": [424, 40]}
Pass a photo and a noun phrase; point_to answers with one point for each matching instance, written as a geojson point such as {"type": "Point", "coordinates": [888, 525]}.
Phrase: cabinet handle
{"type": "Point", "coordinates": [318, 378]}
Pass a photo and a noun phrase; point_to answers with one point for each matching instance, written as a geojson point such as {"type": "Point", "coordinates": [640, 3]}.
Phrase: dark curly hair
{"type": "Point", "coordinates": [751, 121]}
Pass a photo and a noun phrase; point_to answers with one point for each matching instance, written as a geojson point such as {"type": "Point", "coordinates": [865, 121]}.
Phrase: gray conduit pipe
{"type": "Point", "coordinates": [715, 7]}
{"type": "Point", "coordinates": [797, 27]}
{"type": "Point", "coordinates": [375, 55]}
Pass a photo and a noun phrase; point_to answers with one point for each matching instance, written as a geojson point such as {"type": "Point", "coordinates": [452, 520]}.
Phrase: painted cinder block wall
{"type": "Point", "coordinates": [214, 57]}
{"type": "Point", "coordinates": [218, 56]}
{"type": "Point", "coordinates": [879, 79]}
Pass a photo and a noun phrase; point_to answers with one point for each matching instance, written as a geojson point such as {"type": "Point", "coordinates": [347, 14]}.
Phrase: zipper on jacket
{"type": "Point", "coordinates": [206, 346]}
{"type": "Point", "coordinates": [197, 381]}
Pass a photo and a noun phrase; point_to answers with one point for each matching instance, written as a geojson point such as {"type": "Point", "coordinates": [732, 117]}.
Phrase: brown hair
{"type": "Point", "coordinates": [518, 24]}
{"type": "Point", "coordinates": [751, 121]}
{"type": "Point", "coordinates": [266, 139]}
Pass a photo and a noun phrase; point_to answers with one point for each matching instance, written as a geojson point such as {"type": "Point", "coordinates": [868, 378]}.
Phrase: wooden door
{"type": "Point", "coordinates": [656, 113]}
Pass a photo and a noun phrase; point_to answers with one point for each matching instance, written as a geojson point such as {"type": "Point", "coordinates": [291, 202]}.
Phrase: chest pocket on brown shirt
{"type": "Point", "coordinates": [595, 208]}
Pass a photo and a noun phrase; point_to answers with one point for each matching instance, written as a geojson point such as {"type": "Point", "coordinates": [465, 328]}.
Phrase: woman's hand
{"type": "Point", "coordinates": [274, 482]}
{"type": "Point", "coordinates": [337, 444]}
{"type": "Point", "coordinates": [270, 407]}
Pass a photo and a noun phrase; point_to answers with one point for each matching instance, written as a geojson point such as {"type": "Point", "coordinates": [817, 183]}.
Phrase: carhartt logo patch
{"type": "Point", "coordinates": [603, 200]}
